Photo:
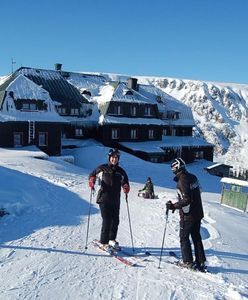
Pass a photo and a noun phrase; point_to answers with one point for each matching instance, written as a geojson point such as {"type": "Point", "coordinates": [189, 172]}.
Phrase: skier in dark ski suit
{"type": "Point", "coordinates": [191, 212]}
{"type": "Point", "coordinates": [112, 178]}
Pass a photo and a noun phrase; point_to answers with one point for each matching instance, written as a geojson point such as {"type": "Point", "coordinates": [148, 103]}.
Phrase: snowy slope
{"type": "Point", "coordinates": [43, 239]}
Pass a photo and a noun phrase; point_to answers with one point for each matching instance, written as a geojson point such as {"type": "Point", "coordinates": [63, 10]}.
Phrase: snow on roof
{"type": "Point", "coordinates": [132, 121]}
{"type": "Point", "coordinates": [167, 142]}
{"type": "Point", "coordinates": [40, 116]}
{"type": "Point", "coordinates": [105, 94]}
{"type": "Point", "coordinates": [217, 165]}
{"type": "Point", "coordinates": [25, 88]}
{"type": "Point", "coordinates": [123, 93]}
{"type": "Point", "coordinates": [92, 83]}
{"type": "Point", "coordinates": [234, 181]}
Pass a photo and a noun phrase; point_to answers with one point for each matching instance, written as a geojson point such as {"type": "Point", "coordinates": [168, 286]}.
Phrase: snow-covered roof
{"type": "Point", "coordinates": [234, 181]}
{"type": "Point", "coordinates": [40, 116]}
{"type": "Point", "coordinates": [217, 165]}
{"type": "Point", "coordinates": [167, 142]}
{"type": "Point", "coordinates": [55, 83]}
{"type": "Point", "coordinates": [132, 121]}
{"type": "Point", "coordinates": [88, 82]}
{"type": "Point", "coordinates": [23, 88]}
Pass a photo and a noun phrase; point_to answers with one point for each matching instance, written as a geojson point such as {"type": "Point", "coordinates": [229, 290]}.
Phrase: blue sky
{"type": "Point", "coordinates": [193, 39]}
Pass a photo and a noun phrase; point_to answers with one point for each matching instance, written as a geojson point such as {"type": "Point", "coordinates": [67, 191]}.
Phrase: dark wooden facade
{"type": "Point", "coordinates": [124, 133]}
{"type": "Point", "coordinates": [46, 135]}
{"type": "Point", "coordinates": [220, 170]}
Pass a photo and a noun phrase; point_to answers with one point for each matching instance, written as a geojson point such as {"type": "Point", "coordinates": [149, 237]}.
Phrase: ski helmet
{"type": "Point", "coordinates": [177, 165]}
{"type": "Point", "coordinates": [114, 152]}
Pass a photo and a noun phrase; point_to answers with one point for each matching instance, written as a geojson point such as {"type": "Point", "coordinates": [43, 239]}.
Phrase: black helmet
{"type": "Point", "coordinates": [114, 152]}
{"type": "Point", "coordinates": [177, 165]}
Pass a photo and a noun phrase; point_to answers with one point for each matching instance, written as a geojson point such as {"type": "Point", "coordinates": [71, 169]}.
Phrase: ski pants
{"type": "Point", "coordinates": [110, 221]}
{"type": "Point", "coordinates": [187, 229]}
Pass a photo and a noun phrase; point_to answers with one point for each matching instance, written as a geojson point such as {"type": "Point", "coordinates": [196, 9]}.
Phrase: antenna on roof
{"type": "Point", "coordinates": [12, 64]}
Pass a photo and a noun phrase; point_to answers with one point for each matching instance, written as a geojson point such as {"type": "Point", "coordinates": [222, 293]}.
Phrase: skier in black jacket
{"type": "Point", "coordinates": [112, 177]}
{"type": "Point", "coordinates": [191, 212]}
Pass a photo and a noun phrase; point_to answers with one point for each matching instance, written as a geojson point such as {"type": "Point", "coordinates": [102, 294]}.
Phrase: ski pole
{"type": "Point", "coordinates": [88, 223]}
{"type": "Point", "coordinates": [166, 221]}
{"type": "Point", "coordinates": [129, 222]}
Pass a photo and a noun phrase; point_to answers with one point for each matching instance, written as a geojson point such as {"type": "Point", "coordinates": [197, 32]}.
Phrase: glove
{"type": "Point", "coordinates": [92, 181]}
{"type": "Point", "coordinates": [126, 188]}
{"type": "Point", "coordinates": [3, 212]}
{"type": "Point", "coordinates": [170, 206]}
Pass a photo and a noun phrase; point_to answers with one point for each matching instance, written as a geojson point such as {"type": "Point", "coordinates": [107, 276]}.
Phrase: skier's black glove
{"type": "Point", "coordinates": [3, 212]}
{"type": "Point", "coordinates": [170, 206]}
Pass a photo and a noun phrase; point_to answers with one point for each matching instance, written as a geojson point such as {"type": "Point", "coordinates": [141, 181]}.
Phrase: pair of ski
{"type": "Point", "coordinates": [178, 263]}
{"type": "Point", "coordinates": [123, 256]}
{"type": "Point", "coordinates": [131, 260]}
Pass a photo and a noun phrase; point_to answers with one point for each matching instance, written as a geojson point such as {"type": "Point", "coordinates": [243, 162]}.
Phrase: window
{"type": "Point", "coordinates": [62, 110]}
{"type": "Point", "coordinates": [199, 154]}
{"type": "Point", "coordinates": [133, 134]}
{"type": "Point", "coordinates": [171, 114]}
{"type": "Point", "coordinates": [115, 133]}
{"type": "Point", "coordinates": [74, 111]}
{"type": "Point", "coordinates": [32, 106]}
{"type": "Point", "coordinates": [43, 138]}
{"type": "Point", "coordinates": [147, 111]}
{"type": "Point", "coordinates": [79, 132]}
{"type": "Point", "coordinates": [173, 131]}
{"type": "Point", "coordinates": [164, 131]}
{"type": "Point", "coordinates": [133, 110]}
{"type": "Point", "coordinates": [29, 106]}
{"type": "Point", "coordinates": [117, 110]}
{"type": "Point", "coordinates": [154, 159]}
{"type": "Point", "coordinates": [18, 139]}
{"type": "Point", "coordinates": [151, 134]}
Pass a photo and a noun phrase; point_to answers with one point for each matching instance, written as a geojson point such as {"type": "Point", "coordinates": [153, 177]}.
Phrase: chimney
{"type": "Point", "coordinates": [132, 83]}
{"type": "Point", "coordinates": [58, 67]}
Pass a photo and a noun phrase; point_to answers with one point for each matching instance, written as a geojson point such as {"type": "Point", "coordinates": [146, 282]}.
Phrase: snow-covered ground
{"type": "Point", "coordinates": [42, 241]}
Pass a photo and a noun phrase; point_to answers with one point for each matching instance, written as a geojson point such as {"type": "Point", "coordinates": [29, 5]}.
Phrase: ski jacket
{"type": "Point", "coordinates": [148, 188]}
{"type": "Point", "coordinates": [111, 179]}
{"type": "Point", "coordinates": [189, 196]}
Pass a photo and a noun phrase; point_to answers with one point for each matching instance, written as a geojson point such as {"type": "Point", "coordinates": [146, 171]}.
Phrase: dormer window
{"type": "Point", "coordinates": [29, 106]}
{"type": "Point", "coordinates": [128, 93]}
{"type": "Point", "coordinates": [172, 115]}
{"type": "Point", "coordinates": [159, 99]}
{"type": "Point", "coordinates": [85, 92]}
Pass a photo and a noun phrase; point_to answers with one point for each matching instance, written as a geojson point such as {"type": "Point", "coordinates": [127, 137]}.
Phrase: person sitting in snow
{"type": "Point", "coordinates": [148, 190]}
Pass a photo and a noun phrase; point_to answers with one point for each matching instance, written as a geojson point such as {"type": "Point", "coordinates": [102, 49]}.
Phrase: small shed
{"type": "Point", "coordinates": [219, 169]}
{"type": "Point", "coordinates": [235, 193]}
